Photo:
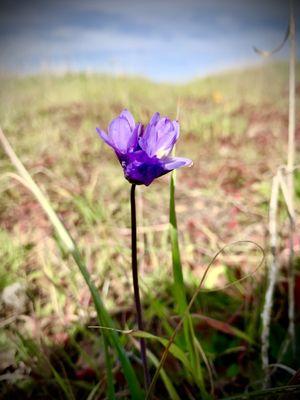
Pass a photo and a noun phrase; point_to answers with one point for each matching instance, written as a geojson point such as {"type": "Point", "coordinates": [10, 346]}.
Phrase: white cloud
{"type": "Point", "coordinates": [193, 35]}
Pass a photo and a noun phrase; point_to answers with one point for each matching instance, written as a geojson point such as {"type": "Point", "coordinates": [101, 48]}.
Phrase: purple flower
{"type": "Point", "coordinates": [144, 153]}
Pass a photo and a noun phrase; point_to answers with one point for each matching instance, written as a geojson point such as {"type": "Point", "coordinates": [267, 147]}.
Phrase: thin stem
{"type": "Point", "coordinates": [292, 104]}
{"type": "Point", "coordinates": [271, 281]}
{"type": "Point", "coordinates": [135, 279]}
{"type": "Point", "coordinates": [290, 174]}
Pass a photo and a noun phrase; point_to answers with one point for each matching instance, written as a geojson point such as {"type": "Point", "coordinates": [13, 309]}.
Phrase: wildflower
{"type": "Point", "coordinates": [144, 153]}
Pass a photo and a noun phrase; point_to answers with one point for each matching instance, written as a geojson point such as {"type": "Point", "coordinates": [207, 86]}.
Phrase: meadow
{"type": "Point", "coordinates": [234, 128]}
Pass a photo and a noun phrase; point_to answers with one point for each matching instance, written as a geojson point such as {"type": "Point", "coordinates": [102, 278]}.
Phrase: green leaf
{"type": "Point", "coordinates": [70, 246]}
{"type": "Point", "coordinates": [179, 291]}
{"type": "Point", "coordinates": [166, 380]}
{"type": "Point", "coordinates": [105, 320]}
{"type": "Point", "coordinates": [174, 350]}
{"type": "Point", "coordinates": [63, 383]}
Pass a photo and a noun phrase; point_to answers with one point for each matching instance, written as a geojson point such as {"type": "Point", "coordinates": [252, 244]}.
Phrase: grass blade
{"type": "Point", "coordinates": [109, 375]}
{"type": "Point", "coordinates": [105, 320]}
{"type": "Point", "coordinates": [188, 309]}
{"type": "Point", "coordinates": [174, 349]}
{"type": "Point", "coordinates": [179, 291]}
{"type": "Point", "coordinates": [270, 394]}
{"type": "Point", "coordinates": [103, 316]}
{"type": "Point", "coordinates": [63, 384]}
{"type": "Point", "coordinates": [166, 380]}
{"type": "Point", "coordinates": [94, 391]}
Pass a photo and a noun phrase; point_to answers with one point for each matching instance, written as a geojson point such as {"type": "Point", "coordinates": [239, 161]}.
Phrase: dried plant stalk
{"type": "Point", "coordinates": [272, 277]}
{"type": "Point", "coordinates": [285, 182]}
{"type": "Point", "coordinates": [41, 197]}
{"type": "Point", "coordinates": [290, 176]}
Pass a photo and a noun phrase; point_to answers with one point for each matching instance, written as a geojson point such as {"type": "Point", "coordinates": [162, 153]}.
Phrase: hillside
{"type": "Point", "coordinates": [233, 127]}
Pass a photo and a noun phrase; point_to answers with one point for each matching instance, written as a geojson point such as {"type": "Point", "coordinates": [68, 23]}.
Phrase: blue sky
{"type": "Point", "coordinates": [161, 39]}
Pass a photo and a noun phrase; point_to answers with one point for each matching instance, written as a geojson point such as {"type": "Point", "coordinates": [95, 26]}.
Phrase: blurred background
{"type": "Point", "coordinates": [67, 67]}
{"type": "Point", "coordinates": [164, 40]}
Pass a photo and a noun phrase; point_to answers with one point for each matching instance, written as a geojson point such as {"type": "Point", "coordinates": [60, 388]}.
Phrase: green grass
{"type": "Point", "coordinates": [233, 126]}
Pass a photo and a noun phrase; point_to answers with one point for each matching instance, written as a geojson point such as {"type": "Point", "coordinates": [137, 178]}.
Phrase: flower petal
{"type": "Point", "coordinates": [127, 114]}
{"type": "Point", "coordinates": [160, 136]}
{"type": "Point", "coordinates": [141, 169]}
{"type": "Point", "coordinates": [105, 137]}
{"type": "Point", "coordinates": [171, 163]}
{"type": "Point", "coordinates": [154, 119]}
{"type": "Point", "coordinates": [163, 127]}
{"type": "Point", "coordinates": [121, 134]}
{"type": "Point", "coordinates": [165, 144]}
{"type": "Point", "coordinates": [148, 140]}
{"type": "Point", "coordinates": [144, 155]}
{"type": "Point", "coordinates": [133, 142]}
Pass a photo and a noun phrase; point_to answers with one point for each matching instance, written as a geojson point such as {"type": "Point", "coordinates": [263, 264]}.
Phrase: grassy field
{"type": "Point", "coordinates": [234, 128]}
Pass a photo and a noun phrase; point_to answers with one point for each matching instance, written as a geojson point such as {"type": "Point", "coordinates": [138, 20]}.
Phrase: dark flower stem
{"type": "Point", "coordinates": [136, 285]}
